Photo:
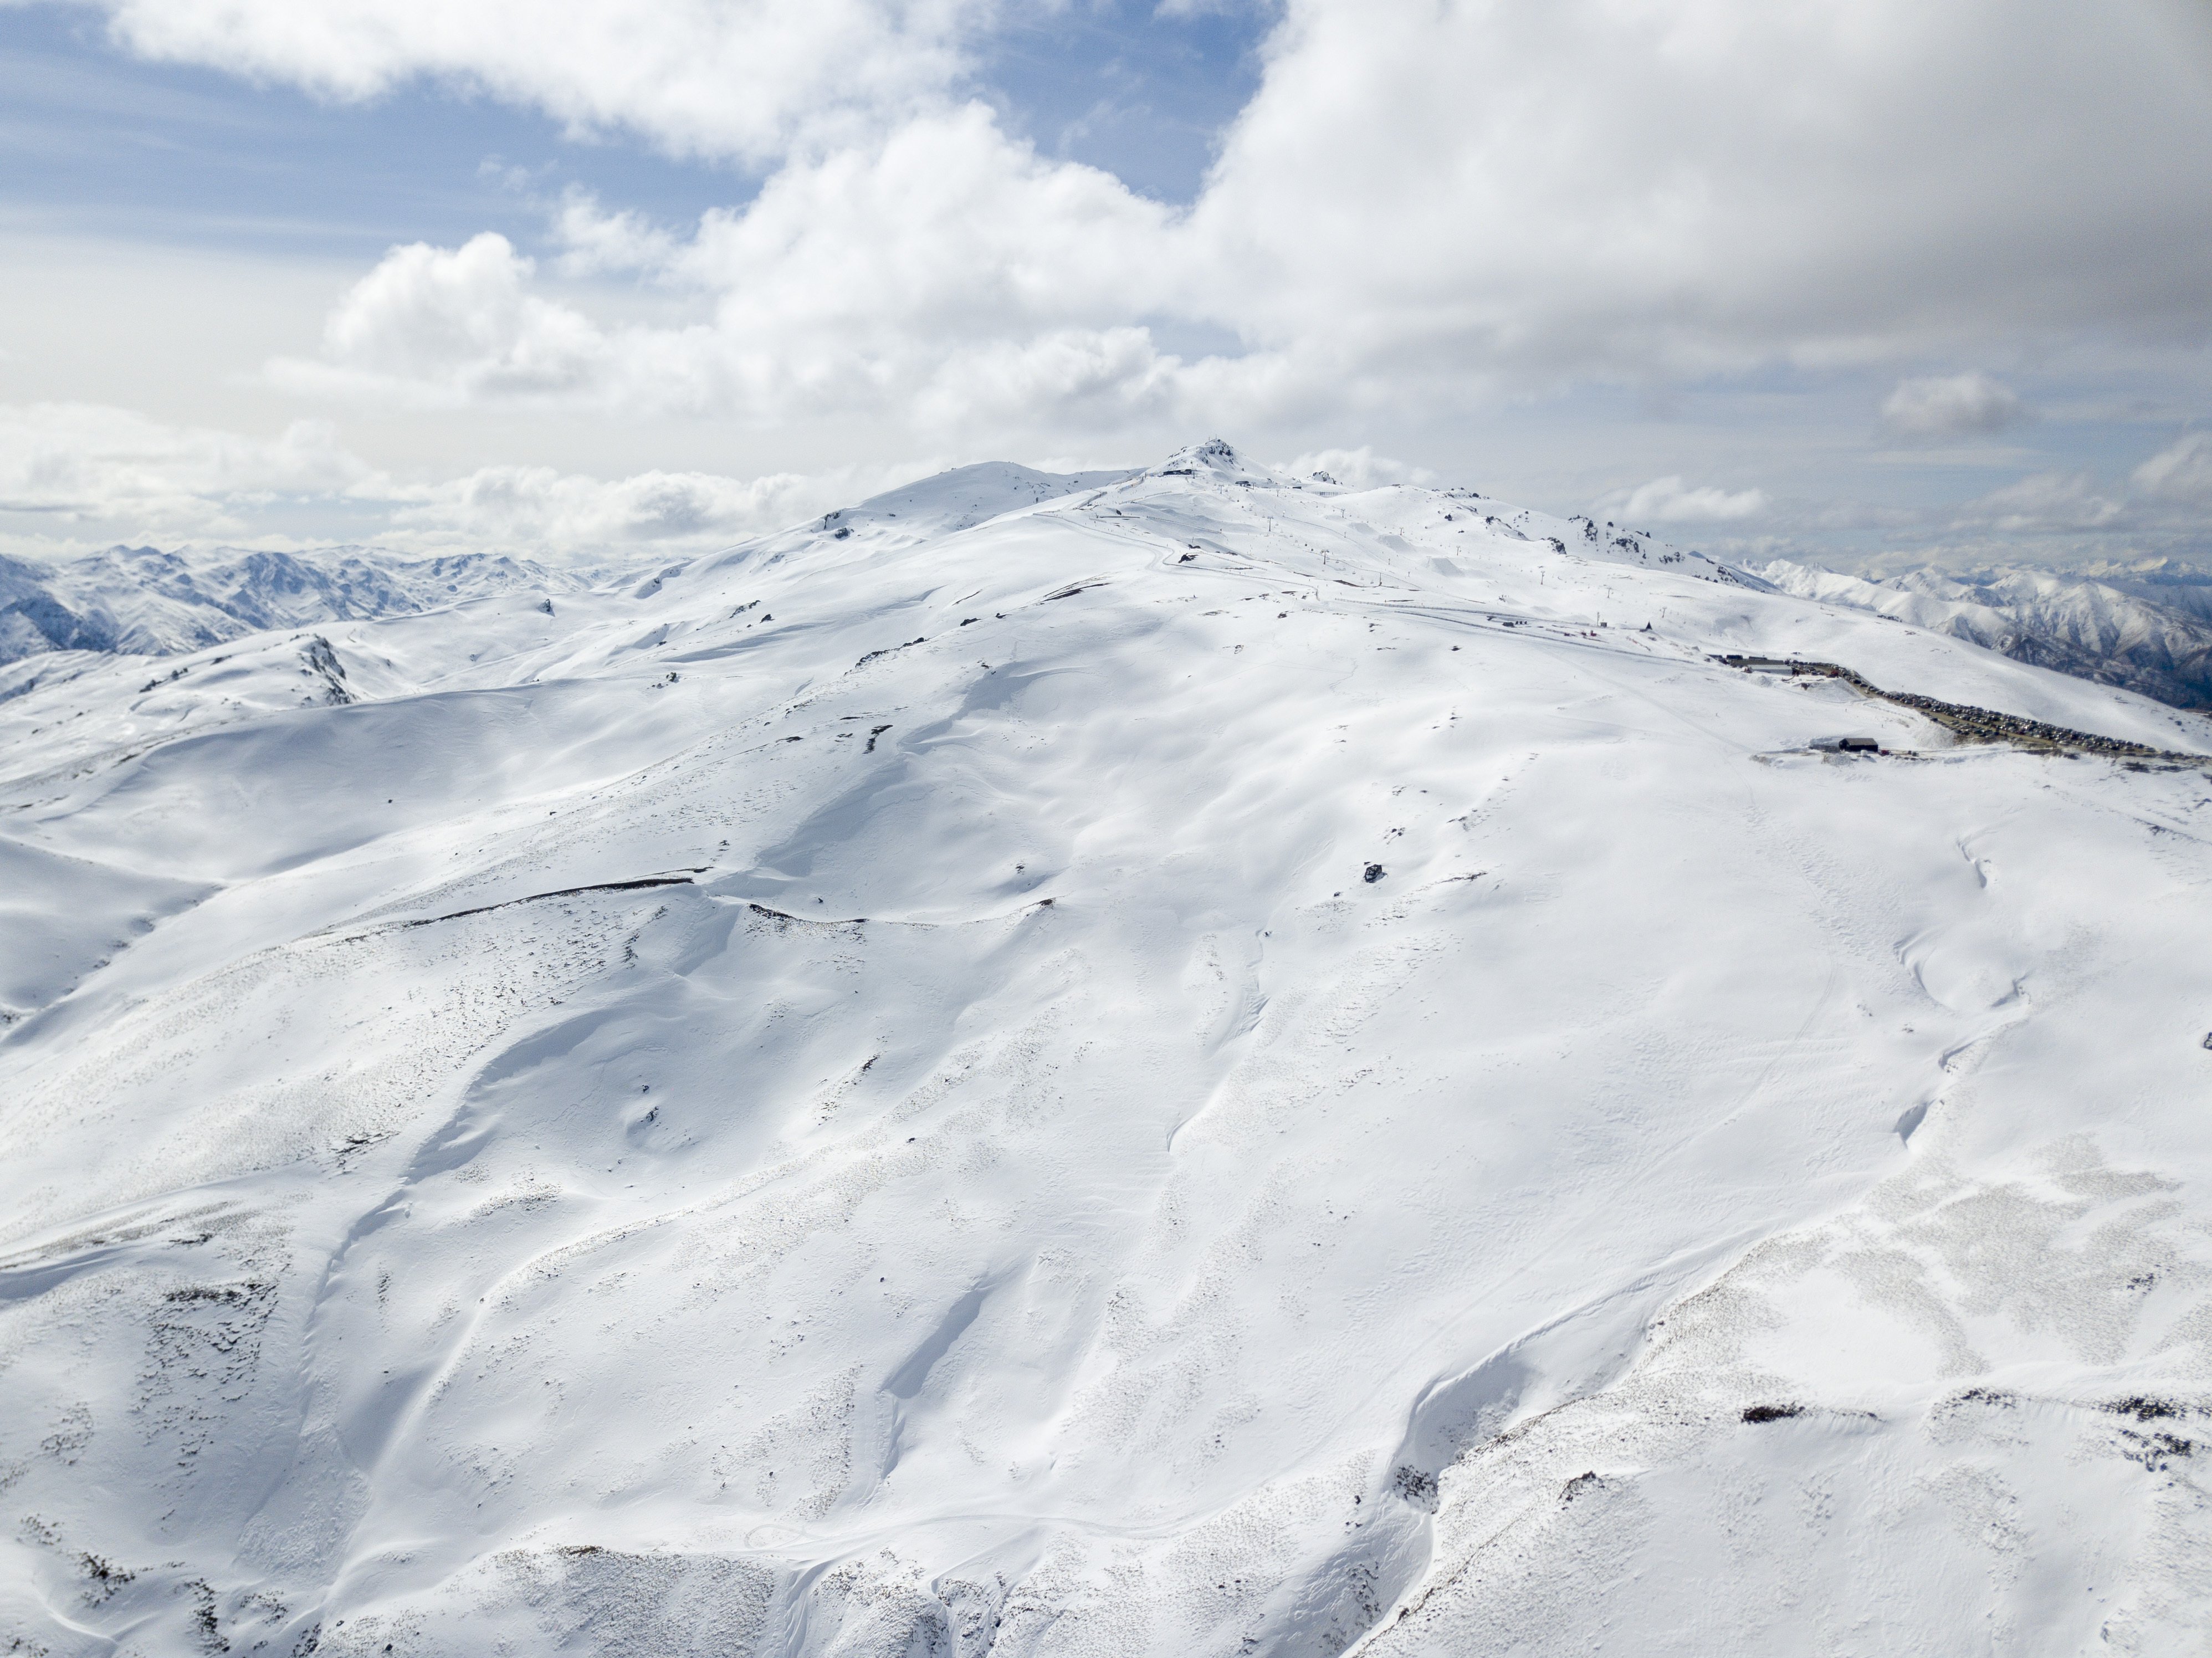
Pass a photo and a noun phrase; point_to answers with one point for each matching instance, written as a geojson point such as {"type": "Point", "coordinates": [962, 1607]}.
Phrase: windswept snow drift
{"type": "Point", "coordinates": [1209, 1065]}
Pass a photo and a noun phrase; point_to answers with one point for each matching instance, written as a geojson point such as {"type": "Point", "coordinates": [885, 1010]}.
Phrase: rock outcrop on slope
{"type": "Point", "coordinates": [1190, 1064]}
{"type": "Point", "coordinates": [1964, 721]}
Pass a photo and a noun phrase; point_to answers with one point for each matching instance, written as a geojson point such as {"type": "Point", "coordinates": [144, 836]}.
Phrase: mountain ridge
{"type": "Point", "coordinates": [1211, 1064]}
{"type": "Point", "coordinates": [2116, 626]}
{"type": "Point", "coordinates": [144, 601]}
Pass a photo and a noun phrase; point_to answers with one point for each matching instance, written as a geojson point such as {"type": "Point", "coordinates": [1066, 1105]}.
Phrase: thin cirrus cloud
{"type": "Point", "coordinates": [2182, 472]}
{"type": "Point", "coordinates": [1429, 203]}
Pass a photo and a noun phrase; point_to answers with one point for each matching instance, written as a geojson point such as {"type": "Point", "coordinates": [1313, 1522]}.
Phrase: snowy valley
{"type": "Point", "coordinates": [1187, 1062]}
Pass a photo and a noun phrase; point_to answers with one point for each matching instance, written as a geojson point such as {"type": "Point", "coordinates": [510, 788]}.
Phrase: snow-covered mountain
{"type": "Point", "coordinates": [141, 600]}
{"type": "Point", "coordinates": [2118, 627]}
{"type": "Point", "coordinates": [2166, 582]}
{"type": "Point", "coordinates": [1200, 1063]}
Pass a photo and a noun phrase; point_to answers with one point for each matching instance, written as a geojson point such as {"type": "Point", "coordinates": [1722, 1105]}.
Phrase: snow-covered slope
{"type": "Point", "coordinates": [143, 601]}
{"type": "Point", "coordinates": [1211, 1065]}
{"type": "Point", "coordinates": [2154, 638]}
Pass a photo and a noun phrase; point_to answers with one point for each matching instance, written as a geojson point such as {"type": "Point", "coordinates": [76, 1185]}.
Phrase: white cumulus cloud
{"type": "Point", "coordinates": [85, 475]}
{"type": "Point", "coordinates": [1615, 187]}
{"type": "Point", "coordinates": [595, 240]}
{"type": "Point", "coordinates": [2047, 501]}
{"type": "Point", "coordinates": [1430, 213]}
{"type": "Point", "coordinates": [88, 463]}
{"type": "Point", "coordinates": [736, 78]}
{"type": "Point", "coordinates": [948, 275]}
{"type": "Point", "coordinates": [543, 509]}
{"type": "Point", "coordinates": [1421, 209]}
{"type": "Point", "coordinates": [1951, 405]}
{"type": "Point", "coordinates": [1361, 468]}
{"type": "Point", "coordinates": [454, 325]}
{"type": "Point", "coordinates": [1670, 500]}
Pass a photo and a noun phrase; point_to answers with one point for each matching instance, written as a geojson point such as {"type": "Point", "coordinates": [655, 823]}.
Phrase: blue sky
{"type": "Point", "coordinates": [95, 140]}
{"type": "Point", "coordinates": [1847, 281]}
{"type": "Point", "coordinates": [1116, 87]}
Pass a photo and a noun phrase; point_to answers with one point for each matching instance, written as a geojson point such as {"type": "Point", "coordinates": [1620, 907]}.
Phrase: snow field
{"type": "Point", "coordinates": [1019, 1186]}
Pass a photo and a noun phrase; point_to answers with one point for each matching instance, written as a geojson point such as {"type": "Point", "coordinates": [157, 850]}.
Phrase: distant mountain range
{"type": "Point", "coordinates": [2146, 628]}
{"type": "Point", "coordinates": [143, 601]}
